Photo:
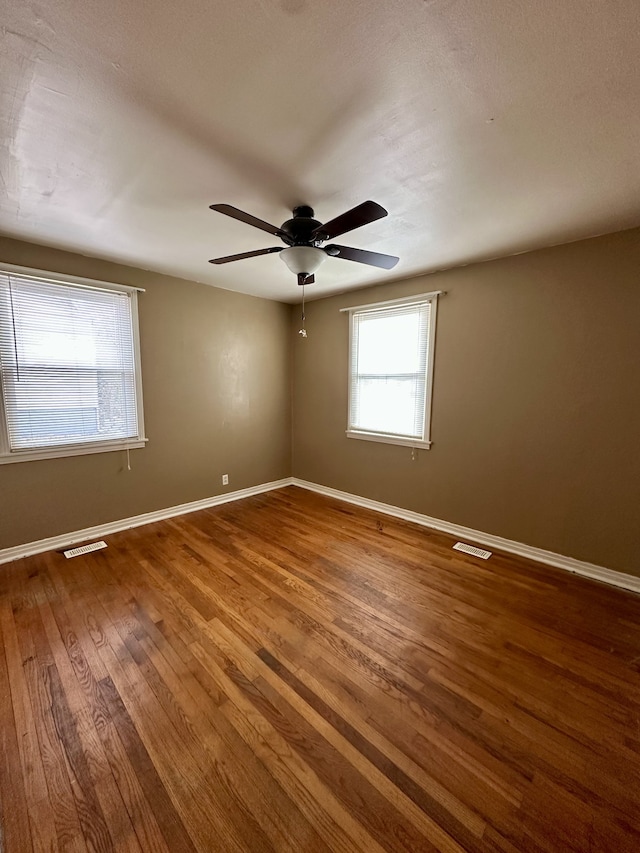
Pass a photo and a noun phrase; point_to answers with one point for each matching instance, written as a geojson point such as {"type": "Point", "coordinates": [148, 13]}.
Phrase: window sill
{"type": "Point", "coordinates": [70, 450]}
{"type": "Point", "coordinates": [389, 439]}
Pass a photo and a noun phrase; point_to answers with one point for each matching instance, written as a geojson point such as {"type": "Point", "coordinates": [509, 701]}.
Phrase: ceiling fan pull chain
{"type": "Point", "coordinates": [303, 332]}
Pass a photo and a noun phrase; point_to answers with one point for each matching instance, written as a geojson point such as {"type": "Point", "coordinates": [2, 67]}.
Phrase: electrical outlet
{"type": "Point", "coordinates": [225, 479]}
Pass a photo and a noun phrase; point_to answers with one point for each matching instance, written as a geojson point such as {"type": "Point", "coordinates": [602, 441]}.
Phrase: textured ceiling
{"type": "Point", "coordinates": [485, 128]}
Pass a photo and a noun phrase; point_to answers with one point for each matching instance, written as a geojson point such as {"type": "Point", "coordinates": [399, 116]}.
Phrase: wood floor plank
{"type": "Point", "coordinates": [14, 819]}
{"type": "Point", "coordinates": [89, 670]}
{"type": "Point", "coordinates": [243, 773]}
{"type": "Point", "coordinates": [460, 764]}
{"type": "Point", "coordinates": [294, 674]}
{"type": "Point", "coordinates": [79, 718]}
{"type": "Point", "coordinates": [350, 779]}
{"type": "Point", "coordinates": [37, 658]}
{"type": "Point", "coordinates": [166, 816]}
{"type": "Point", "coordinates": [172, 759]}
{"type": "Point", "coordinates": [460, 822]}
{"type": "Point", "coordinates": [41, 821]}
{"type": "Point", "coordinates": [317, 801]}
{"type": "Point", "coordinates": [89, 811]}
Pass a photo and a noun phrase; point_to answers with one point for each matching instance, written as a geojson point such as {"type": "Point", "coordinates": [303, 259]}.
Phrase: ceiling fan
{"type": "Point", "coordinates": [303, 236]}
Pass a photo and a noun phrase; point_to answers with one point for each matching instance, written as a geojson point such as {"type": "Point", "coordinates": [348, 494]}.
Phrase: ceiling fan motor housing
{"type": "Point", "coordinates": [300, 229]}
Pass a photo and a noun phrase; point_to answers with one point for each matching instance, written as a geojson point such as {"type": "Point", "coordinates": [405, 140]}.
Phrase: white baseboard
{"type": "Point", "coordinates": [55, 543]}
{"type": "Point", "coordinates": [569, 564]}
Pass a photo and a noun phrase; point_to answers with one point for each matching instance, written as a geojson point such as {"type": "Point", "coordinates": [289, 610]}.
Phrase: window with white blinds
{"type": "Point", "coordinates": [69, 367]}
{"type": "Point", "coordinates": [391, 370]}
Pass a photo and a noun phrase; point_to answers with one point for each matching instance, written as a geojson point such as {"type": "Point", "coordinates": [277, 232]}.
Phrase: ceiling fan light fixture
{"type": "Point", "coordinates": [303, 259]}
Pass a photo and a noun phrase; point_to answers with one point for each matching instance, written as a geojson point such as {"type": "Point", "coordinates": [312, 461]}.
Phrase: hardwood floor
{"type": "Point", "coordinates": [292, 673]}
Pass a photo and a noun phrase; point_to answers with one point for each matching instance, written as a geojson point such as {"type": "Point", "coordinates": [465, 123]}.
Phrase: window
{"type": "Point", "coordinates": [69, 366]}
{"type": "Point", "coordinates": [391, 370]}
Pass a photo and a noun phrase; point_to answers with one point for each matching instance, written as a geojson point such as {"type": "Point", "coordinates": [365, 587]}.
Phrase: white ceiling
{"type": "Point", "coordinates": [485, 128]}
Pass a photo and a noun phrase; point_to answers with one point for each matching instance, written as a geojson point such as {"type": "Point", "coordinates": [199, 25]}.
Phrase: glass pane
{"type": "Point", "coordinates": [54, 407]}
{"type": "Point", "coordinates": [390, 344]}
{"type": "Point", "coordinates": [389, 405]}
{"type": "Point", "coordinates": [67, 327]}
{"type": "Point", "coordinates": [68, 364]}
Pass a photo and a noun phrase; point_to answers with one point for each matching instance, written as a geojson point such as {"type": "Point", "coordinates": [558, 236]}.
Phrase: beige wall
{"type": "Point", "coordinates": [536, 417]}
{"type": "Point", "coordinates": [536, 408]}
{"type": "Point", "coordinates": [216, 377]}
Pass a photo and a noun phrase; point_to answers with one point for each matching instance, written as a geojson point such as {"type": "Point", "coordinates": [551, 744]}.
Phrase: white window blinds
{"type": "Point", "coordinates": [390, 370]}
{"type": "Point", "coordinates": [67, 363]}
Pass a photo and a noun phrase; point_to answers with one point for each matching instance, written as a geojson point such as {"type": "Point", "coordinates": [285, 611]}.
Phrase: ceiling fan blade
{"type": "Point", "coordinates": [241, 216]}
{"type": "Point", "coordinates": [358, 216]}
{"type": "Point", "coordinates": [362, 256]}
{"type": "Point", "coordinates": [229, 258]}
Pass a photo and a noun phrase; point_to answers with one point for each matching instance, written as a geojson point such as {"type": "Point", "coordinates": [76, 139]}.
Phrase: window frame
{"type": "Point", "coordinates": [390, 438]}
{"type": "Point", "coordinates": [8, 456]}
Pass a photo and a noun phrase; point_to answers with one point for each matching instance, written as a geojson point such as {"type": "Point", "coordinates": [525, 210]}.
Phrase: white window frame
{"type": "Point", "coordinates": [389, 438]}
{"type": "Point", "coordinates": [52, 452]}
